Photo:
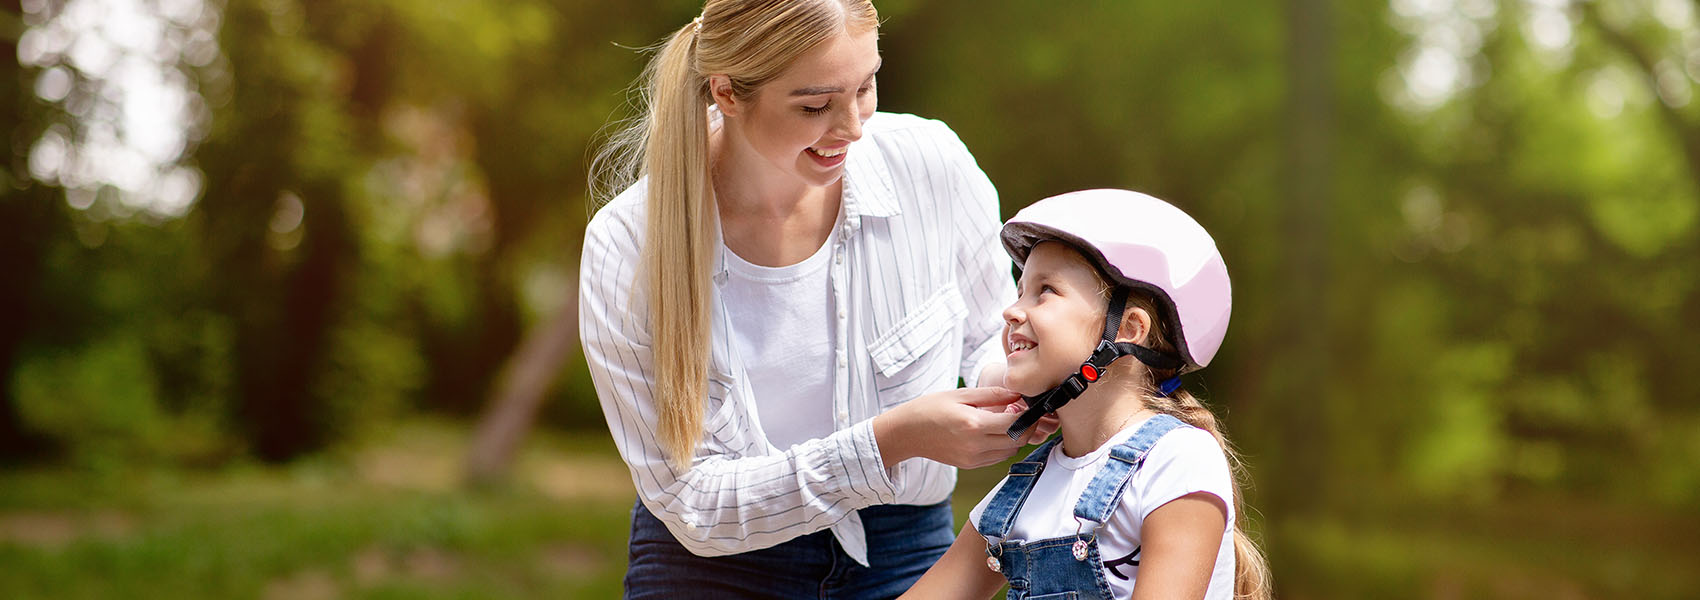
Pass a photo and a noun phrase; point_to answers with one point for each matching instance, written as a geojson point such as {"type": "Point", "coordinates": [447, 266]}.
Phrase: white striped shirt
{"type": "Point", "coordinates": [920, 280]}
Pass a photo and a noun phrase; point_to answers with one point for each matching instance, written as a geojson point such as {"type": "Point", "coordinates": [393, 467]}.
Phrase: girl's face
{"type": "Point", "coordinates": [1056, 321]}
{"type": "Point", "coordinates": [801, 123]}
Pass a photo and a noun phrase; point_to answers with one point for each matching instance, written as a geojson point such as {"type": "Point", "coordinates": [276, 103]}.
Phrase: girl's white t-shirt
{"type": "Point", "coordinates": [782, 328]}
{"type": "Point", "coordinates": [1185, 461]}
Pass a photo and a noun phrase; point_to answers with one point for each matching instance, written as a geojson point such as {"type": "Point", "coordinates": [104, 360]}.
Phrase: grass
{"type": "Point", "coordinates": [388, 519]}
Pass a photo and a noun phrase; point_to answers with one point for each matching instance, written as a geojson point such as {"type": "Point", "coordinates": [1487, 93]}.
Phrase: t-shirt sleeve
{"type": "Point", "coordinates": [974, 515]}
{"type": "Point", "coordinates": [1185, 461]}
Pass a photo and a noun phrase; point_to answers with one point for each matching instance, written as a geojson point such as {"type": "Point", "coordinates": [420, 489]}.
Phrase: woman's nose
{"type": "Point", "coordinates": [850, 122]}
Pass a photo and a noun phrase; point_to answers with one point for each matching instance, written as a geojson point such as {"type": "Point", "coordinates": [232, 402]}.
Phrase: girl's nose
{"type": "Point", "coordinates": [1013, 314]}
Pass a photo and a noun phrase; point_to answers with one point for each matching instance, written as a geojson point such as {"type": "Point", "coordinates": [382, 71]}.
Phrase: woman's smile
{"type": "Point", "coordinates": [828, 157]}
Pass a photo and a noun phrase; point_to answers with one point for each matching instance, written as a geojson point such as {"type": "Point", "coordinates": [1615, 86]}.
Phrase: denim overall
{"type": "Point", "coordinates": [1065, 567]}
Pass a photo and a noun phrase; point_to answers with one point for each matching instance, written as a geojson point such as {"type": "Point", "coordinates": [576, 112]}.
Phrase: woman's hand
{"type": "Point", "coordinates": [993, 375]}
{"type": "Point", "coordinates": [965, 428]}
{"type": "Point", "coordinates": [1046, 426]}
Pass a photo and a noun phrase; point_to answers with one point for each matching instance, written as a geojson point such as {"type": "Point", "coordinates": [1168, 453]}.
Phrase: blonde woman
{"type": "Point", "coordinates": [777, 307]}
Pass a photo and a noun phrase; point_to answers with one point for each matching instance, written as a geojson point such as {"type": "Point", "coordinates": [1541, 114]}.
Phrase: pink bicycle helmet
{"type": "Point", "coordinates": [1145, 243]}
{"type": "Point", "coordinates": [1139, 242]}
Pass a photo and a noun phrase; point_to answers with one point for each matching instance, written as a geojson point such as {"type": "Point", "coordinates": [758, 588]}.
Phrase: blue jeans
{"type": "Point", "coordinates": [903, 541]}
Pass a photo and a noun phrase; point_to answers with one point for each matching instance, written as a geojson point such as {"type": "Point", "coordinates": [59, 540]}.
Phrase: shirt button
{"type": "Point", "coordinates": [843, 415]}
{"type": "Point", "coordinates": [841, 313]}
{"type": "Point", "coordinates": [838, 259]}
{"type": "Point", "coordinates": [842, 362]}
{"type": "Point", "coordinates": [690, 526]}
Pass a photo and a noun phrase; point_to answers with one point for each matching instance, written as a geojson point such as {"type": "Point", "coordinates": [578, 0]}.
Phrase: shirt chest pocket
{"type": "Point", "coordinates": [920, 353]}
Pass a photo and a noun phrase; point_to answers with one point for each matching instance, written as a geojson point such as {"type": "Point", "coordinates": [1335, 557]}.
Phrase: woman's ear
{"type": "Point", "coordinates": [720, 89]}
{"type": "Point", "coordinates": [1136, 325]}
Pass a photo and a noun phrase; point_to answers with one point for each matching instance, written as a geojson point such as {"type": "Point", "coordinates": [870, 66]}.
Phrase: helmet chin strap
{"type": "Point", "coordinates": [1107, 352]}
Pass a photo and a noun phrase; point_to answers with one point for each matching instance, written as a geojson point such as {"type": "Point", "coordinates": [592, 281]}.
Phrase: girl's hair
{"type": "Point", "coordinates": [751, 42]}
{"type": "Point", "coordinates": [1251, 576]}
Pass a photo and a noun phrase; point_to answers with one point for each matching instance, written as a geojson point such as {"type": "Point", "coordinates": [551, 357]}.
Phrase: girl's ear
{"type": "Point", "coordinates": [720, 88]}
{"type": "Point", "coordinates": [1136, 325]}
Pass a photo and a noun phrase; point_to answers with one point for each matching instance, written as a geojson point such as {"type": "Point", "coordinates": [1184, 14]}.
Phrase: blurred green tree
{"type": "Point", "coordinates": [1463, 237]}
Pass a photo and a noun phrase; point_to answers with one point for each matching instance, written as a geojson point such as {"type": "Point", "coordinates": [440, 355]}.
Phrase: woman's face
{"type": "Point", "coordinates": [1056, 321]}
{"type": "Point", "coordinates": [801, 123]}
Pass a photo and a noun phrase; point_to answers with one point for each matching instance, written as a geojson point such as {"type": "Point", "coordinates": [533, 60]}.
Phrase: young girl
{"type": "Point", "coordinates": [1137, 497]}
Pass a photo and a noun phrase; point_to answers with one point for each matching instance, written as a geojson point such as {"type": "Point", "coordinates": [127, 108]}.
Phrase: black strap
{"type": "Point", "coordinates": [1113, 316]}
{"type": "Point", "coordinates": [1046, 403]}
{"type": "Point", "coordinates": [1151, 358]}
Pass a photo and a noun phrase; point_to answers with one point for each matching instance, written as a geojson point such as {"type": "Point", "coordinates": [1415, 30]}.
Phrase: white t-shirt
{"type": "Point", "coordinates": [1185, 461]}
{"type": "Point", "coordinates": [782, 326]}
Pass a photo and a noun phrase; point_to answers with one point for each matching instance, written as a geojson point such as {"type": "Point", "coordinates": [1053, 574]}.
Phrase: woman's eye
{"type": "Point", "coordinates": [815, 110]}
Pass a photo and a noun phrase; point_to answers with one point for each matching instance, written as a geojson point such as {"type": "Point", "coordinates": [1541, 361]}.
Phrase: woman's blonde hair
{"type": "Point", "coordinates": [751, 42]}
{"type": "Point", "coordinates": [1251, 568]}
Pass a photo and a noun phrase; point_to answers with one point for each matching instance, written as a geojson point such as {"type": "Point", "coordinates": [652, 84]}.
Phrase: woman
{"type": "Point", "coordinates": [777, 313]}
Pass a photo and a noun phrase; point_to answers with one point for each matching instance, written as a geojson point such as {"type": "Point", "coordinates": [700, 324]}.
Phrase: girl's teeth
{"type": "Point", "coordinates": [828, 153]}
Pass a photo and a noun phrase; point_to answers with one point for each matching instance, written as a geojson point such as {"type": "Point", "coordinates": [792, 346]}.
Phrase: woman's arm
{"type": "Point", "coordinates": [717, 505]}
{"type": "Point", "coordinates": [961, 573]}
{"type": "Point", "coordinates": [1180, 540]}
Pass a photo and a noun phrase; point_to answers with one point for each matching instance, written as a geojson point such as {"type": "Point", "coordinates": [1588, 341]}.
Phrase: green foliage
{"type": "Point", "coordinates": [1451, 314]}
{"type": "Point", "coordinates": [100, 400]}
{"type": "Point", "coordinates": [1460, 450]}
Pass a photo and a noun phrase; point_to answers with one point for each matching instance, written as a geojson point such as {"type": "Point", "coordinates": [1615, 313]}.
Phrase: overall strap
{"type": "Point", "coordinates": [1000, 512]}
{"type": "Point", "coordinates": [1105, 490]}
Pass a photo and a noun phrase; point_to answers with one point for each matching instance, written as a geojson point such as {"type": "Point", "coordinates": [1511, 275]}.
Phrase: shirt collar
{"type": "Point", "coordinates": [868, 189]}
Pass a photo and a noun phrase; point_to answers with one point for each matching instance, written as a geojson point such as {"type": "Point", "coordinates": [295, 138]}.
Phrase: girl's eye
{"type": "Point", "coordinates": [1047, 289]}
{"type": "Point", "coordinates": [815, 110]}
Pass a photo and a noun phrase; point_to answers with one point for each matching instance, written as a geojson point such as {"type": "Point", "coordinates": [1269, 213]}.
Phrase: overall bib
{"type": "Point", "coordinates": [1064, 567]}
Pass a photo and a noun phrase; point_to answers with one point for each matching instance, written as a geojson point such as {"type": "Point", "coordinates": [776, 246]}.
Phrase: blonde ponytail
{"type": "Point", "coordinates": [669, 146]}
{"type": "Point", "coordinates": [679, 244]}
{"type": "Point", "coordinates": [1251, 576]}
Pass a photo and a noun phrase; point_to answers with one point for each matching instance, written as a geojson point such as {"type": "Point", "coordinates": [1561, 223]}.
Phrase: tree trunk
{"type": "Point", "coordinates": [1297, 385]}
{"type": "Point", "coordinates": [519, 391]}
{"type": "Point", "coordinates": [30, 222]}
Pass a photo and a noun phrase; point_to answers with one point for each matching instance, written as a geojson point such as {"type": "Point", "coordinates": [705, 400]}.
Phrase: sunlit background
{"type": "Point", "coordinates": [287, 302]}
